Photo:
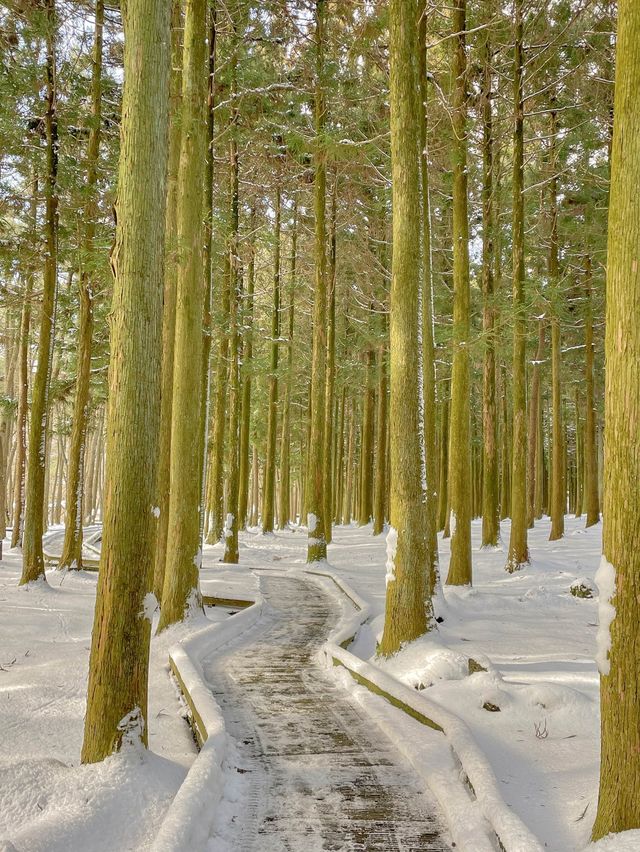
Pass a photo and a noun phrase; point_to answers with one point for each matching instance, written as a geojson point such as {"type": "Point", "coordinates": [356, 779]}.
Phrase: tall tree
{"type": "Point", "coordinates": [184, 547]}
{"type": "Point", "coordinates": [428, 337]}
{"type": "Point", "coordinates": [405, 611]}
{"type": "Point", "coordinates": [518, 546]}
{"type": "Point", "coordinates": [591, 501]}
{"type": "Point", "coordinates": [269, 488]}
{"type": "Point", "coordinates": [490, 514]}
{"type": "Point", "coordinates": [33, 557]}
{"type": "Point", "coordinates": [72, 547]}
{"type": "Point", "coordinates": [118, 666]}
{"type": "Point", "coordinates": [619, 574]}
{"type": "Point", "coordinates": [169, 300]}
{"type": "Point", "coordinates": [558, 467]}
{"type": "Point", "coordinates": [317, 544]}
{"type": "Point", "coordinates": [460, 438]}
{"type": "Point", "coordinates": [284, 506]}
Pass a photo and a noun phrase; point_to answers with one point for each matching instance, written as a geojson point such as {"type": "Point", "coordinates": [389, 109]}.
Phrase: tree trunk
{"type": "Point", "coordinates": [534, 421]}
{"type": "Point", "coordinates": [119, 662]}
{"type": "Point", "coordinates": [365, 502]}
{"type": "Point", "coordinates": [284, 510]}
{"type": "Point", "coordinates": [518, 546]}
{"type": "Point", "coordinates": [72, 548]}
{"type": "Point", "coordinates": [443, 490]}
{"type": "Point", "coordinates": [231, 553]}
{"type": "Point", "coordinates": [381, 443]}
{"type": "Point", "coordinates": [33, 558]}
{"type": "Point", "coordinates": [317, 545]}
{"type": "Point", "coordinates": [23, 388]}
{"type": "Point", "coordinates": [428, 342]}
{"type": "Point", "coordinates": [619, 574]}
{"type": "Point", "coordinates": [180, 593]}
{"type": "Point", "coordinates": [348, 490]}
{"type": "Point", "coordinates": [591, 500]}
{"type": "Point", "coordinates": [330, 374]}
{"type": "Point", "coordinates": [505, 480]}
{"type": "Point", "coordinates": [490, 514]}
{"type": "Point", "coordinates": [247, 360]}
{"type": "Point", "coordinates": [268, 489]}
{"type": "Point", "coordinates": [460, 569]}
{"type": "Point", "coordinates": [405, 611]}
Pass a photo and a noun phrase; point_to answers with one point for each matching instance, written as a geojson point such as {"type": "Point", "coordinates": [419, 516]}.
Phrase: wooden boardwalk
{"type": "Point", "coordinates": [311, 772]}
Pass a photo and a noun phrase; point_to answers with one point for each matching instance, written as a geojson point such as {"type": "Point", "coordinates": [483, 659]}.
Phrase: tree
{"type": "Point", "coordinates": [118, 665]}
{"type": "Point", "coordinates": [405, 613]}
{"type": "Point", "coordinates": [460, 441]}
{"type": "Point", "coordinates": [619, 574]}
{"type": "Point", "coordinates": [181, 592]}
{"type": "Point", "coordinates": [518, 547]}
{"type": "Point", "coordinates": [72, 548]}
{"type": "Point", "coordinates": [317, 545]}
{"type": "Point", "coordinates": [490, 514]}
{"type": "Point", "coordinates": [169, 300]}
{"type": "Point", "coordinates": [33, 557]}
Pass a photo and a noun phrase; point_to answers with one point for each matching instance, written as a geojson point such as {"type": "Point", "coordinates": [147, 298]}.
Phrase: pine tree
{"type": "Point", "coordinates": [518, 547]}
{"type": "Point", "coordinates": [118, 666]}
{"type": "Point", "coordinates": [72, 547]}
{"type": "Point", "coordinates": [317, 545]}
{"type": "Point", "coordinates": [181, 591]}
{"type": "Point", "coordinates": [405, 613]}
{"type": "Point", "coordinates": [33, 557]}
{"type": "Point", "coordinates": [460, 440]}
{"type": "Point", "coordinates": [619, 796]}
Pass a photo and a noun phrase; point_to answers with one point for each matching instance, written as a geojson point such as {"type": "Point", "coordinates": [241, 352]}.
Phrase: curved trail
{"type": "Point", "coordinates": [311, 772]}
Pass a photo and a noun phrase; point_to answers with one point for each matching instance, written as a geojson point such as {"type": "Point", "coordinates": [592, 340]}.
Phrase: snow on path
{"type": "Point", "coordinates": [309, 770]}
{"type": "Point", "coordinates": [537, 640]}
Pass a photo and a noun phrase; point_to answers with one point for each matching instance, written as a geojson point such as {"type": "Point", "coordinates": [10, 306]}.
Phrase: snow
{"type": "Point", "coordinates": [605, 580]}
{"type": "Point", "coordinates": [513, 661]}
{"type": "Point", "coordinates": [626, 841]}
{"type": "Point", "coordinates": [48, 801]}
{"type": "Point", "coordinates": [149, 606]}
{"type": "Point", "coordinates": [536, 640]}
{"type": "Point", "coordinates": [392, 548]}
{"type": "Point", "coordinates": [228, 525]}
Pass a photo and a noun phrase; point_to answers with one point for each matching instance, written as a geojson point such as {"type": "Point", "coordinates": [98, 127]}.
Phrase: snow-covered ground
{"type": "Point", "coordinates": [536, 641]}
{"type": "Point", "coordinates": [47, 800]}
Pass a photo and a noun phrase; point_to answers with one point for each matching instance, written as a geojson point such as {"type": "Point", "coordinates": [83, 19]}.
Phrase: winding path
{"type": "Point", "coordinates": [311, 771]}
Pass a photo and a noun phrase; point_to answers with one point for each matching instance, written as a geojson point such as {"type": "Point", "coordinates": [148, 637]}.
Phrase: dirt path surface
{"type": "Point", "coordinates": [311, 772]}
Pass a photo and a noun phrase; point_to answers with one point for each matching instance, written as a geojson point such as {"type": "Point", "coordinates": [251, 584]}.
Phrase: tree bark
{"type": "Point", "coordinates": [317, 544]}
{"type": "Point", "coordinates": [33, 557]}
{"type": "Point", "coordinates": [591, 499]}
{"type": "Point", "coordinates": [490, 514]}
{"type": "Point", "coordinates": [518, 547]}
{"type": "Point", "coordinates": [72, 547]}
{"type": "Point", "coordinates": [119, 662]}
{"type": "Point", "coordinates": [460, 569]}
{"type": "Point", "coordinates": [405, 608]}
{"type": "Point", "coordinates": [180, 592]}
{"type": "Point", "coordinates": [284, 510]}
{"type": "Point", "coordinates": [428, 342]}
{"type": "Point", "coordinates": [268, 489]}
{"type": "Point", "coordinates": [619, 796]}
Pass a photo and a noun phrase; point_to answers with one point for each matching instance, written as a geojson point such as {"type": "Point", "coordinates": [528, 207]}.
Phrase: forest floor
{"type": "Point", "coordinates": [536, 640]}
